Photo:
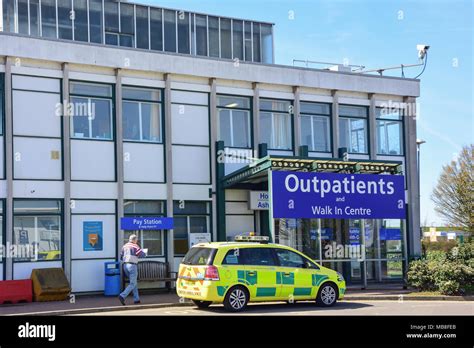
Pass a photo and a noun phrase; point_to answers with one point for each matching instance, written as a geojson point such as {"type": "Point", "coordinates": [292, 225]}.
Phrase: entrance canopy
{"type": "Point", "coordinates": [256, 173]}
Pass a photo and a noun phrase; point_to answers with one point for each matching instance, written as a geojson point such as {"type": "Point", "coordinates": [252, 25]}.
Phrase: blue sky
{"type": "Point", "coordinates": [378, 34]}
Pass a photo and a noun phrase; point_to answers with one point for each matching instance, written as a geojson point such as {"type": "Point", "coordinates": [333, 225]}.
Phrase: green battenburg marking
{"type": "Point", "coordinates": [221, 290]}
{"type": "Point", "coordinates": [261, 292]}
{"type": "Point", "coordinates": [302, 291]}
{"type": "Point", "coordinates": [342, 291]}
{"type": "Point", "coordinates": [318, 279]}
{"type": "Point", "coordinates": [281, 278]}
{"type": "Point", "coordinates": [246, 278]}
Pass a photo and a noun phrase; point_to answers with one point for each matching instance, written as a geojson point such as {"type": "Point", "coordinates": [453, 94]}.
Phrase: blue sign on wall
{"type": "Point", "coordinates": [337, 196]}
{"type": "Point", "coordinates": [146, 223]}
{"type": "Point", "coordinates": [390, 234]}
{"type": "Point", "coordinates": [92, 235]}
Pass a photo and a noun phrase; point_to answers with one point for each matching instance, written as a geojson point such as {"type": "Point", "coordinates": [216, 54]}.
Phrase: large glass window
{"type": "Point", "coordinates": [23, 17]}
{"type": "Point", "coordinates": [127, 25]}
{"type": "Point", "coordinates": [353, 128]}
{"type": "Point", "coordinates": [170, 30]}
{"type": "Point", "coordinates": [149, 239]}
{"type": "Point", "coordinates": [267, 43]}
{"type": "Point", "coordinates": [142, 27]}
{"type": "Point", "coordinates": [234, 121]}
{"type": "Point", "coordinates": [141, 115]}
{"type": "Point", "coordinates": [238, 39]}
{"type": "Point", "coordinates": [183, 33]}
{"type": "Point", "coordinates": [34, 18]}
{"type": "Point", "coordinates": [189, 217]}
{"type": "Point", "coordinates": [91, 111]}
{"type": "Point", "coordinates": [156, 29]}
{"type": "Point", "coordinates": [275, 124]}
{"type": "Point", "coordinates": [38, 222]}
{"type": "Point", "coordinates": [315, 126]}
{"type": "Point", "coordinates": [80, 20]}
{"type": "Point", "coordinates": [256, 42]}
{"type": "Point", "coordinates": [2, 107]}
{"type": "Point", "coordinates": [389, 131]}
{"type": "Point", "coordinates": [201, 35]}
{"type": "Point", "coordinates": [48, 18]}
{"type": "Point", "coordinates": [248, 41]}
{"type": "Point", "coordinates": [213, 37]}
{"type": "Point", "coordinates": [95, 21]}
{"type": "Point", "coordinates": [65, 19]}
{"type": "Point", "coordinates": [1, 229]}
{"type": "Point", "coordinates": [226, 38]}
{"type": "Point", "coordinates": [111, 23]}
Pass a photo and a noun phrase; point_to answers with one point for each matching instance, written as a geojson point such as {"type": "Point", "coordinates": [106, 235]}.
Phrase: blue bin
{"type": "Point", "coordinates": [112, 279]}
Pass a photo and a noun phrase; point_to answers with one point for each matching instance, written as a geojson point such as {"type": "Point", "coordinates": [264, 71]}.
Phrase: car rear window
{"type": "Point", "coordinates": [199, 256]}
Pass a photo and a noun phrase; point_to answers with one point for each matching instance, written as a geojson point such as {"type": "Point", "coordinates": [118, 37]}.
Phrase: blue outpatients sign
{"type": "Point", "coordinates": [337, 196]}
{"type": "Point", "coordinates": [92, 239]}
{"type": "Point", "coordinates": [146, 223]}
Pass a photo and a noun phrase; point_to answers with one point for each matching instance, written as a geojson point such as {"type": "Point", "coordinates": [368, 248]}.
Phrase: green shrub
{"type": "Point", "coordinates": [451, 273]}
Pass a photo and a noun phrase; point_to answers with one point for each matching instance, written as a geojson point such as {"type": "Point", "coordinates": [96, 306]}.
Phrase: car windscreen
{"type": "Point", "coordinates": [199, 256]}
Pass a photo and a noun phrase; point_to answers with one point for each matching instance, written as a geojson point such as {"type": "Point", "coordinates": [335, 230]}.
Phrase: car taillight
{"type": "Point", "coordinates": [211, 273]}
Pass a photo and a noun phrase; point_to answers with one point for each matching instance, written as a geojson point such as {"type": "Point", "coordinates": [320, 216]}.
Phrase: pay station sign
{"type": "Point", "coordinates": [146, 223]}
{"type": "Point", "coordinates": [337, 196]}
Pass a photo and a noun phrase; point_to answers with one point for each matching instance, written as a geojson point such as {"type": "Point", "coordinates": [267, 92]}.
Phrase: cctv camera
{"type": "Point", "coordinates": [422, 49]}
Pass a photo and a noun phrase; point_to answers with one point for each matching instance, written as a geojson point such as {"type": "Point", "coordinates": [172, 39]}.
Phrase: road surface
{"type": "Point", "coordinates": [309, 308]}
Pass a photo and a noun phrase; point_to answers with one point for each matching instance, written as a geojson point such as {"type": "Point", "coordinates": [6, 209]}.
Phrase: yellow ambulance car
{"type": "Point", "coordinates": [252, 270]}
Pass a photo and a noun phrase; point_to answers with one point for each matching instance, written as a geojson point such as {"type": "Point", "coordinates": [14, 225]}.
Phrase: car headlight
{"type": "Point", "coordinates": [340, 277]}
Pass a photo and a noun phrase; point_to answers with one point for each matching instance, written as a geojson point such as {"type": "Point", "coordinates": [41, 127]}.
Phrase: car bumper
{"type": "Point", "coordinates": [207, 291]}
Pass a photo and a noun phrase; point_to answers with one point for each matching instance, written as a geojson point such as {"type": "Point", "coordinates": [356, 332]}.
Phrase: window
{"type": "Point", "coordinates": [314, 126]}
{"type": "Point", "coordinates": [2, 107]}
{"type": "Point", "coordinates": [156, 29]}
{"type": "Point", "coordinates": [111, 22]}
{"type": "Point", "coordinates": [389, 131]}
{"type": "Point", "coordinates": [23, 17]}
{"type": "Point", "coordinates": [1, 229]}
{"type": "Point", "coordinates": [34, 18]}
{"type": "Point", "coordinates": [199, 256]}
{"type": "Point", "coordinates": [189, 217]}
{"type": "Point", "coordinates": [288, 258]}
{"type": "Point", "coordinates": [214, 37]}
{"type": "Point", "coordinates": [248, 41]}
{"type": "Point", "coordinates": [226, 38]}
{"type": "Point", "coordinates": [127, 25]}
{"type": "Point", "coordinates": [48, 18]}
{"type": "Point", "coordinates": [183, 33]}
{"type": "Point", "coordinates": [38, 222]}
{"type": "Point", "coordinates": [9, 15]}
{"type": "Point", "coordinates": [170, 30]}
{"type": "Point", "coordinates": [353, 128]}
{"type": "Point", "coordinates": [95, 21]}
{"type": "Point", "coordinates": [234, 121]}
{"type": "Point", "coordinates": [141, 115]}
{"type": "Point", "coordinates": [267, 43]}
{"type": "Point", "coordinates": [149, 239]}
{"type": "Point", "coordinates": [142, 27]}
{"type": "Point", "coordinates": [256, 42]}
{"type": "Point", "coordinates": [238, 39]}
{"type": "Point", "coordinates": [92, 111]}
{"type": "Point", "coordinates": [275, 124]}
{"type": "Point", "coordinates": [65, 19]}
{"type": "Point", "coordinates": [201, 35]}
{"type": "Point", "coordinates": [258, 256]}
{"type": "Point", "coordinates": [233, 258]}
{"type": "Point", "coordinates": [80, 20]}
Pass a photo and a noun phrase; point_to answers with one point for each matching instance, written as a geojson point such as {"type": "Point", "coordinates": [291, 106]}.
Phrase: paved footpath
{"type": "Point", "coordinates": [309, 309]}
{"type": "Point", "coordinates": [163, 299]}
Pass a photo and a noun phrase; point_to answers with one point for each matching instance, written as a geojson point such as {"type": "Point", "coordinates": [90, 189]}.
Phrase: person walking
{"type": "Point", "coordinates": [130, 254]}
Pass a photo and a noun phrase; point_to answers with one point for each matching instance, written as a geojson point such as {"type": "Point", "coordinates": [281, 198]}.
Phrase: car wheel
{"type": "Point", "coordinates": [236, 299]}
{"type": "Point", "coordinates": [202, 304]}
{"type": "Point", "coordinates": [327, 295]}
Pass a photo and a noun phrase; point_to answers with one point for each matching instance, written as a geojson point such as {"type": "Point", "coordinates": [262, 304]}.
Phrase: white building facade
{"type": "Point", "coordinates": [113, 109]}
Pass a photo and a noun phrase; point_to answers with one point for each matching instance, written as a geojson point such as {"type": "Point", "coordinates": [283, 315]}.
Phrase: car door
{"type": "Point", "coordinates": [295, 273]}
{"type": "Point", "coordinates": [260, 273]}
